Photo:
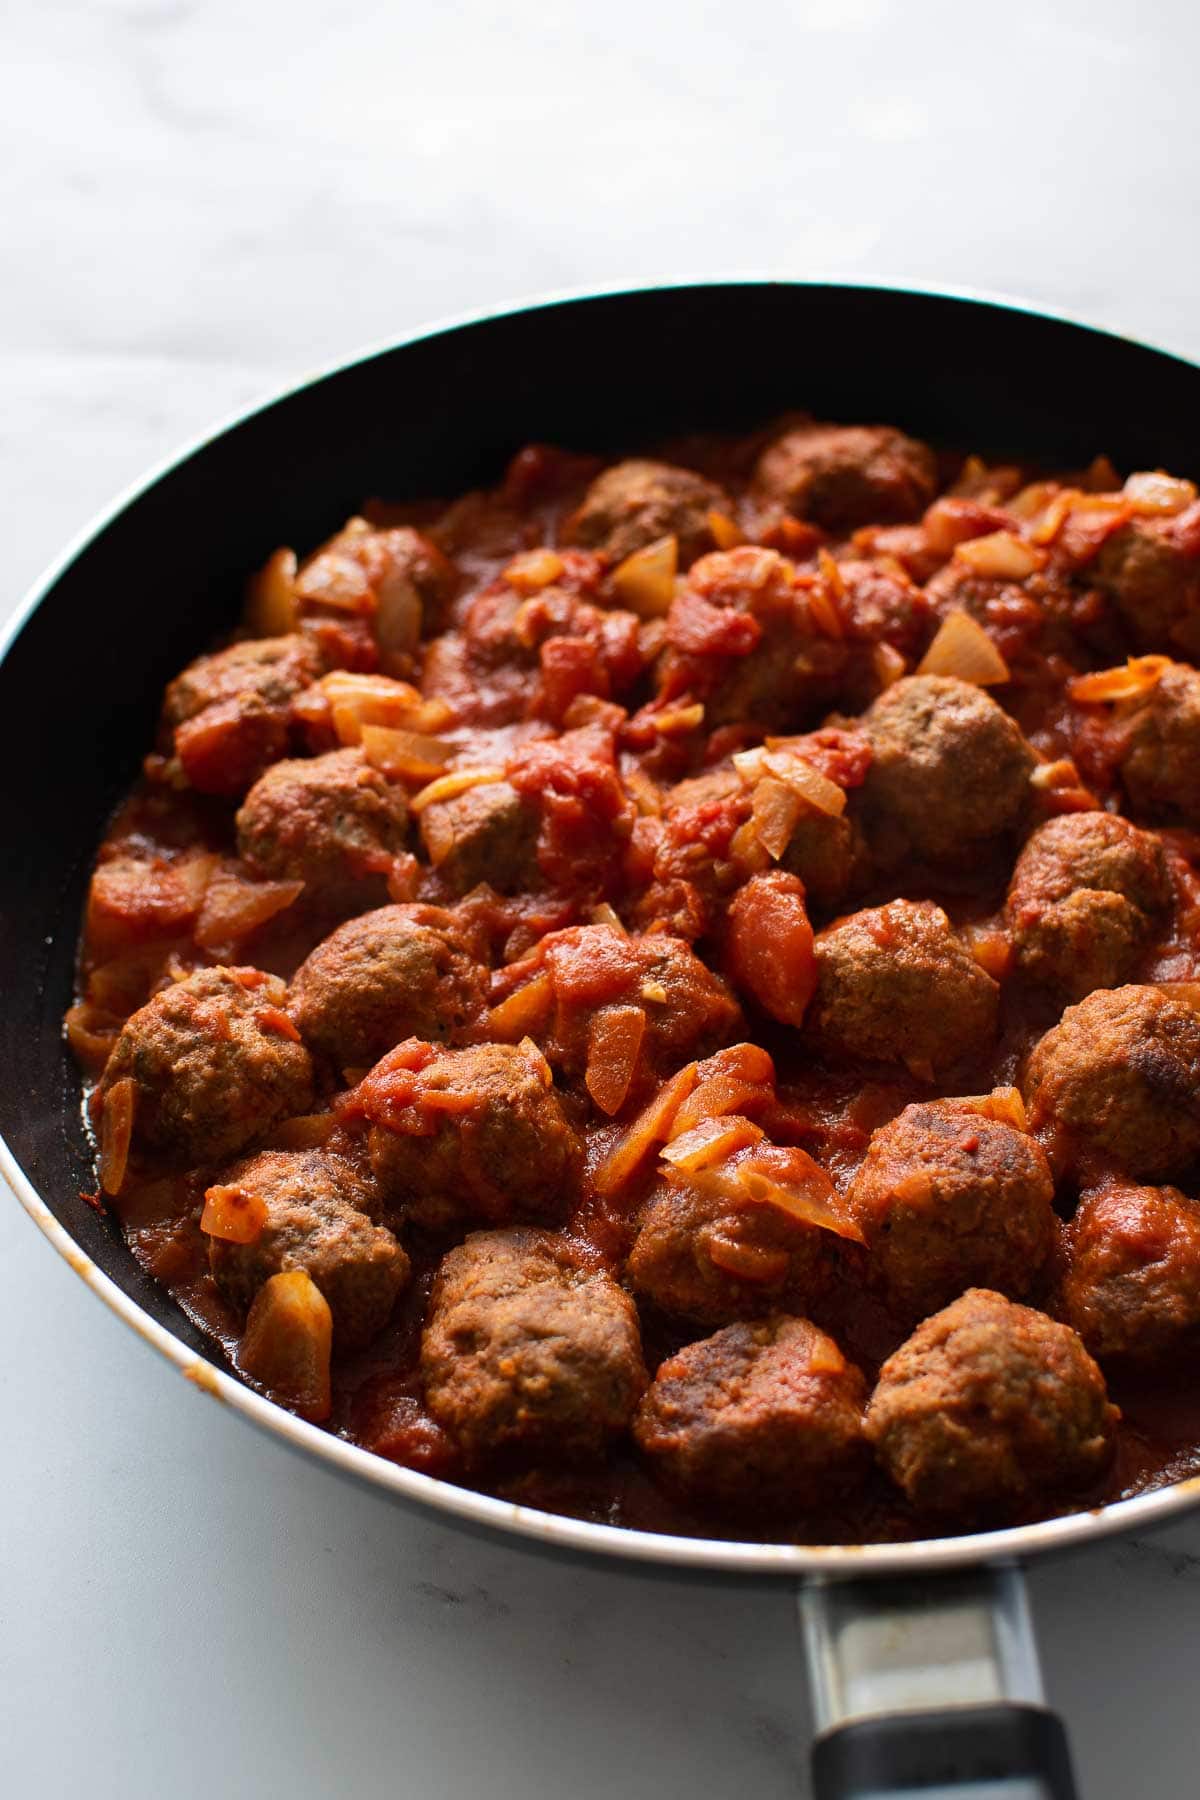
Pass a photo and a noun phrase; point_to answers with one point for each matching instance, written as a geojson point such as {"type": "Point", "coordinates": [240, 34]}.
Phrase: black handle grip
{"type": "Point", "coordinates": [1013, 1752]}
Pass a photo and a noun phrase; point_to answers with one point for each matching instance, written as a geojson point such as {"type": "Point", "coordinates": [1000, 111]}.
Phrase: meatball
{"type": "Point", "coordinates": [895, 984]}
{"type": "Point", "coordinates": [688, 1010]}
{"type": "Point", "coordinates": [333, 822]}
{"type": "Point", "coordinates": [487, 833]}
{"type": "Point", "coordinates": [701, 1255]}
{"type": "Point", "coordinates": [527, 1350]}
{"type": "Point", "coordinates": [227, 717]}
{"type": "Point", "coordinates": [397, 577]}
{"type": "Point", "coordinates": [1151, 567]}
{"type": "Point", "coordinates": [843, 476]}
{"type": "Point", "coordinates": [1132, 1284]}
{"type": "Point", "coordinates": [397, 972]}
{"type": "Point", "coordinates": [1119, 1077]}
{"type": "Point", "coordinates": [214, 1063]}
{"type": "Point", "coordinates": [765, 1415]}
{"type": "Point", "coordinates": [1085, 896]}
{"type": "Point", "coordinates": [1160, 754]}
{"type": "Point", "coordinates": [947, 1199]}
{"type": "Point", "coordinates": [950, 771]}
{"type": "Point", "coordinates": [471, 1135]}
{"type": "Point", "coordinates": [989, 1404]}
{"type": "Point", "coordinates": [635, 502]}
{"type": "Point", "coordinates": [316, 1220]}
{"type": "Point", "coordinates": [741, 638]}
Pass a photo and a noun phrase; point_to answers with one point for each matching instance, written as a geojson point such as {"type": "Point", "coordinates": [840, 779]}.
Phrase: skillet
{"type": "Point", "coordinates": [921, 1655]}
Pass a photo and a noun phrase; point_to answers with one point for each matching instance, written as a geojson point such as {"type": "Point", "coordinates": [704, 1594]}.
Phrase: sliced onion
{"type": "Point", "coordinates": [811, 1201]}
{"type": "Point", "coordinates": [745, 1262]}
{"type": "Point", "coordinates": [405, 755]}
{"type": "Point", "coordinates": [287, 1345]}
{"type": "Point", "coordinates": [271, 597]}
{"type": "Point", "coordinates": [116, 1134]}
{"type": "Point", "coordinates": [1154, 491]}
{"type": "Point", "coordinates": [1139, 676]}
{"type": "Point", "coordinates": [806, 782]}
{"type": "Point", "coordinates": [888, 663]}
{"type": "Point", "coordinates": [673, 721]}
{"type": "Point", "coordinates": [459, 781]}
{"type": "Point", "coordinates": [725, 534]}
{"type": "Point", "coordinates": [963, 648]}
{"type": "Point", "coordinates": [1001, 555]}
{"type": "Point", "coordinates": [645, 581]}
{"type": "Point", "coordinates": [775, 810]}
{"type": "Point", "coordinates": [522, 1012]}
{"type": "Point", "coordinates": [233, 1214]}
{"type": "Point", "coordinates": [650, 1129]}
{"type": "Point", "coordinates": [1003, 1104]}
{"type": "Point", "coordinates": [534, 570]}
{"type": "Point", "coordinates": [711, 1142]}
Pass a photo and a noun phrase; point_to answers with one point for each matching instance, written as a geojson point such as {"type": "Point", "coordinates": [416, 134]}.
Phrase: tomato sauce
{"type": "Point", "coordinates": [521, 687]}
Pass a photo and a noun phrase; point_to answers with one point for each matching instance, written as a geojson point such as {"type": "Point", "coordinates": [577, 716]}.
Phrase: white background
{"type": "Point", "coordinates": [200, 201]}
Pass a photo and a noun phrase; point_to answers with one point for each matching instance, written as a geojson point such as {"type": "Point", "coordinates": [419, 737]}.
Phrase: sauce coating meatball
{"type": "Point", "coordinates": [528, 1351]}
{"type": "Point", "coordinates": [766, 1414]}
{"type": "Point", "coordinates": [214, 1065]}
{"type": "Point", "coordinates": [638, 501]}
{"type": "Point", "coordinates": [469, 1135]}
{"type": "Point", "coordinates": [1119, 1077]}
{"type": "Point", "coordinates": [397, 972]}
{"type": "Point", "coordinates": [1160, 754]}
{"type": "Point", "coordinates": [317, 1220]}
{"type": "Point", "coordinates": [700, 1255]}
{"type": "Point", "coordinates": [989, 1404]}
{"type": "Point", "coordinates": [331, 821]}
{"type": "Point", "coordinates": [227, 716]}
{"type": "Point", "coordinates": [1132, 1284]}
{"type": "Point", "coordinates": [950, 771]}
{"type": "Point", "coordinates": [1151, 567]}
{"type": "Point", "coordinates": [842, 476]}
{"type": "Point", "coordinates": [948, 1200]}
{"type": "Point", "coordinates": [896, 984]}
{"type": "Point", "coordinates": [487, 833]}
{"type": "Point", "coordinates": [1086, 894]}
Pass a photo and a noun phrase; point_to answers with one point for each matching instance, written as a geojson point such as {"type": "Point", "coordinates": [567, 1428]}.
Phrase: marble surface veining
{"type": "Point", "coordinates": [204, 199]}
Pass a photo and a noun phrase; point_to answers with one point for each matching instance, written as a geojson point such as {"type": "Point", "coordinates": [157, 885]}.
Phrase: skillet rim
{"type": "Point", "coordinates": [552, 1531]}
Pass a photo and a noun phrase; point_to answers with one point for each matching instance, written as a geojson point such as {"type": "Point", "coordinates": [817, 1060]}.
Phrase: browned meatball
{"type": "Point", "coordinates": [703, 1256]}
{"type": "Point", "coordinates": [1119, 1077]}
{"type": "Point", "coordinates": [635, 502]}
{"type": "Point", "coordinates": [474, 1135]}
{"type": "Point", "coordinates": [1160, 758]}
{"type": "Point", "coordinates": [1132, 1285]}
{"type": "Point", "coordinates": [896, 984]}
{"type": "Point", "coordinates": [1151, 567]}
{"type": "Point", "coordinates": [333, 822]}
{"type": "Point", "coordinates": [947, 1200]}
{"type": "Point", "coordinates": [764, 1415]}
{"type": "Point", "coordinates": [228, 716]}
{"type": "Point", "coordinates": [487, 833]}
{"type": "Point", "coordinates": [950, 771]}
{"type": "Point", "coordinates": [397, 972]}
{"type": "Point", "coordinates": [526, 1350]}
{"type": "Point", "coordinates": [842, 476]}
{"type": "Point", "coordinates": [1086, 894]}
{"type": "Point", "coordinates": [829, 854]}
{"type": "Point", "coordinates": [214, 1063]}
{"type": "Point", "coordinates": [989, 1404]}
{"type": "Point", "coordinates": [317, 1220]}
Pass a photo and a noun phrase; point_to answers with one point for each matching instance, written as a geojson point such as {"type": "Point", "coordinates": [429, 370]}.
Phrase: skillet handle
{"type": "Point", "coordinates": [930, 1687]}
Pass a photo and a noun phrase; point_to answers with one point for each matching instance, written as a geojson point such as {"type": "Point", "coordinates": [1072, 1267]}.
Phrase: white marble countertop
{"type": "Point", "coordinates": [201, 202]}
